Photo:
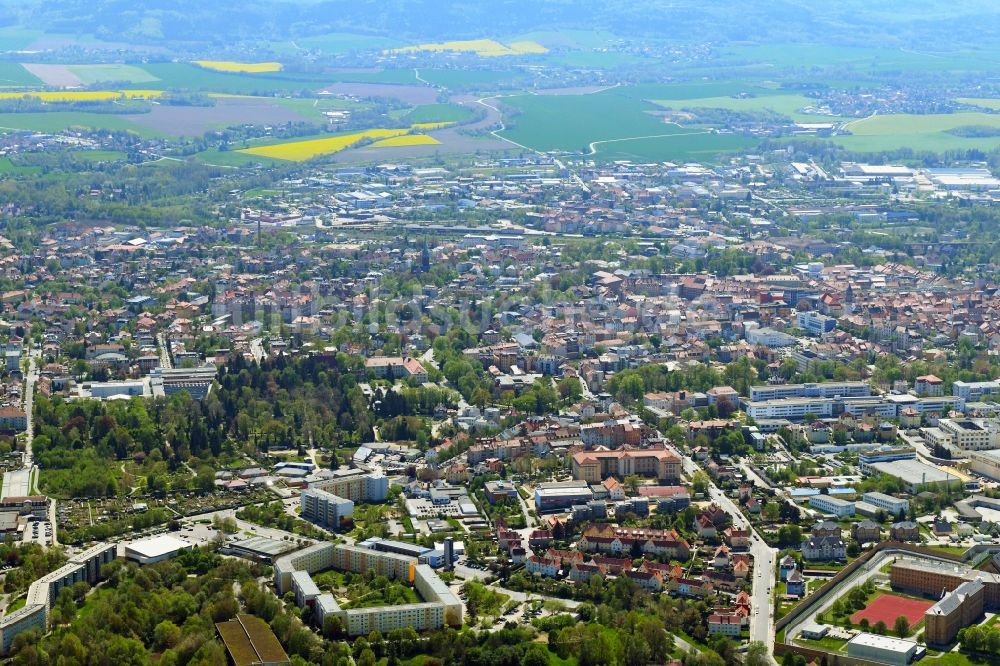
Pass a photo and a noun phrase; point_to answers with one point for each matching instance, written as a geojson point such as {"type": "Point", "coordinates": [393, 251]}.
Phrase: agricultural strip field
{"type": "Point", "coordinates": [920, 132]}
{"type": "Point", "coordinates": [437, 113]}
{"type": "Point", "coordinates": [83, 95]}
{"type": "Point", "coordinates": [614, 124]}
{"type": "Point", "coordinates": [408, 94]}
{"type": "Point", "coordinates": [228, 111]}
{"type": "Point", "coordinates": [191, 77]}
{"type": "Point", "coordinates": [406, 141]}
{"type": "Point", "coordinates": [58, 121]}
{"type": "Point", "coordinates": [54, 75]}
{"type": "Point", "coordinates": [992, 104]}
{"type": "Point", "coordinates": [786, 105]}
{"type": "Point", "coordinates": [14, 74]}
{"type": "Point", "coordinates": [481, 79]}
{"type": "Point", "coordinates": [240, 67]}
{"type": "Point", "coordinates": [91, 74]}
{"type": "Point", "coordinates": [299, 151]}
{"type": "Point", "coordinates": [488, 48]}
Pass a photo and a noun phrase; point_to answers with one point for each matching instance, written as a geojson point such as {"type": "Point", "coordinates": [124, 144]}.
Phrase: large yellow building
{"type": "Point", "coordinates": [595, 466]}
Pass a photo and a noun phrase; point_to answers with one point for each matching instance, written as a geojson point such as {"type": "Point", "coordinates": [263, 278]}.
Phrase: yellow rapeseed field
{"type": "Point", "coordinates": [83, 95]}
{"type": "Point", "coordinates": [430, 126]}
{"type": "Point", "coordinates": [407, 140]}
{"type": "Point", "coordinates": [299, 151]}
{"type": "Point", "coordinates": [482, 47]}
{"type": "Point", "coordinates": [240, 67]}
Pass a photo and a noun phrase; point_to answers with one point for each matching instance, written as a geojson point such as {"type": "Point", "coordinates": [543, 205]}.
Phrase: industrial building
{"type": "Point", "coordinates": [986, 463]}
{"type": "Point", "coordinates": [914, 474]}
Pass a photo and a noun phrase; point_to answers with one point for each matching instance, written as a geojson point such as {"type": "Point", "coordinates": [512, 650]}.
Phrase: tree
{"type": "Point", "coordinates": [902, 627]}
{"type": "Point", "coordinates": [535, 655]}
{"type": "Point", "coordinates": [756, 654]}
{"type": "Point", "coordinates": [880, 628]}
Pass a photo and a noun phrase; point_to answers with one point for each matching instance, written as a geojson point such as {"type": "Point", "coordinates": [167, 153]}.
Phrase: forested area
{"type": "Point", "coordinates": [284, 403]}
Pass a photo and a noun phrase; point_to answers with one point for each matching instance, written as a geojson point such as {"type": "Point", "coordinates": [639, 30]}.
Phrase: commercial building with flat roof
{"type": "Point", "coordinates": [884, 649]}
{"type": "Point", "coordinates": [915, 475]}
{"type": "Point", "coordinates": [824, 390]}
{"type": "Point", "coordinates": [833, 505]}
{"type": "Point", "coordinates": [156, 549]}
{"type": "Point", "coordinates": [986, 463]}
{"type": "Point", "coordinates": [887, 503]}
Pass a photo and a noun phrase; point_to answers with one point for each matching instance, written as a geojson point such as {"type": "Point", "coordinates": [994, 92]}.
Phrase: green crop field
{"type": "Point", "coordinates": [480, 79]}
{"type": "Point", "coordinates": [786, 105]}
{"type": "Point", "coordinates": [341, 42]}
{"type": "Point", "coordinates": [921, 133]}
{"type": "Point", "coordinates": [58, 121]}
{"type": "Point", "coordinates": [91, 74]}
{"type": "Point", "coordinates": [682, 147]}
{"type": "Point", "coordinates": [618, 122]}
{"type": "Point", "coordinates": [992, 104]}
{"type": "Point", "coordinates": [438, 113]}
{"type": "Point", "coordinates": [857, 58]}
{"type": "Point", "coordinates": [13, 74]}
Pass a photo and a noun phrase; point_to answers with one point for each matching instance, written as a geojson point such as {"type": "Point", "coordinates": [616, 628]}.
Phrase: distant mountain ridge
{"type": "Point", "coordinates": [894, 23]}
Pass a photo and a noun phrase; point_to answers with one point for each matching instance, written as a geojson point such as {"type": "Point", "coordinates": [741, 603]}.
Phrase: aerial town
{"type": "Point", "coordinates": [636, 381]}
{"type": "Point", "coordinates": [426, 334]}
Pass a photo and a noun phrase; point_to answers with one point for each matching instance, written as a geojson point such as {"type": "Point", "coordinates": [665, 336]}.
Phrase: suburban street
{"type": "Point", "coordinates": [761, 617]}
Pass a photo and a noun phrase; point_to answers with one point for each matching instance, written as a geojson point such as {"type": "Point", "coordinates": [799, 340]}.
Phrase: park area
{"type": "Point", "coordinates": [888, 607]}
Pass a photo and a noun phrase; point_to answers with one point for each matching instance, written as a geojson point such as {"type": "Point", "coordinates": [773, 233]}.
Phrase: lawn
{"type": "Point", "coordinates": [888, 607]}
{"type": "Point", "coordinates": [91, 74]}
{"type": "Point", "coordinates": [828, 644]}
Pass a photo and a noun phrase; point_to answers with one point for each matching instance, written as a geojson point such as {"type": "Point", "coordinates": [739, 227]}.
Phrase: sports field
{"type": "Point", "coordinates": [887, 607]}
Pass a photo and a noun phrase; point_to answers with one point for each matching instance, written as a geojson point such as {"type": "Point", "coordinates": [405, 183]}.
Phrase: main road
{"type": "Point", "coordinates": [761, 608]}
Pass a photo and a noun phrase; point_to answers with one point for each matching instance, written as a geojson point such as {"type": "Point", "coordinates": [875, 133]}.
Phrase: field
{"type": "Point", "coordinates": [299, 151]}
{"type": "Point", "coordinates": [466, 78]}
{"type": "Point", "coordinates": [83, 95]}
{"type": "Point", "coordinates": [437, 113]}
{"type": "Point", "coordinates": [786, 105]}
{"type": "Point", "coordinates": [58, 121]}
{"type": "Point", "coordinates": [227, 111]}
{"type": "Point", "coordinates": [614, 124]}
{"type": "Point", "coordinates": [406, 141]}
{"type": "Point", "coordinates": [13, 74]}
{"type": "Point", "coordinates": [408, 94]}
{"type": "Point", "coordinates": [91, 74]}
{"type": "Point", "coordinates": [487, 48]}
{"type": "Point", "coordinates": [992, 104]}
{"type": "Point", "coordinates": [240, 67]}
{"type": "Point", "coordinates": [920, 132]}
{"type": "Point", "coordinates": [887, 607]}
